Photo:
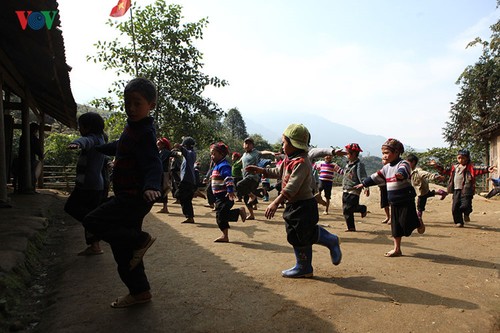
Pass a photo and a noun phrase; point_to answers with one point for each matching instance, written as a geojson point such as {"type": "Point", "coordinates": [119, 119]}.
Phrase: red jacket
{"type": "Point", "coordinates": [470, 173]}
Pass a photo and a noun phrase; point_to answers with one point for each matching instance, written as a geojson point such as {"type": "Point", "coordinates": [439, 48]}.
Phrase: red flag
{"type": "Point", "coordinates": [120, 9]}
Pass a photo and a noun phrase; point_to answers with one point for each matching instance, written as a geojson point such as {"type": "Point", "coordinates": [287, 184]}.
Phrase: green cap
{"type": "Point", "coordinates": [299, 136]}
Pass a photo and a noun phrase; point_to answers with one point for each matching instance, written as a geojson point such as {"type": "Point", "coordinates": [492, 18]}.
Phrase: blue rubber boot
{"type": "Point", "coordinates": [303, 266]}
{"type": "Point", "coordinates": [332, 242]}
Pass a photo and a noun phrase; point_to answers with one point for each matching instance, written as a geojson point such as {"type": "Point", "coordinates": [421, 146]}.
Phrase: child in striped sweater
{"type": "Point", "coordinates": [396, 173]}
{"type": "Point", "coordinates": [326, 170]}
{"type": "Point", "coordinates": [223, 189]}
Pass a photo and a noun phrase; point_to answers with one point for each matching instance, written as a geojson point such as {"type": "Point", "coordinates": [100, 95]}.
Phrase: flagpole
{"type": "Point", "coordinates": [133, 40]}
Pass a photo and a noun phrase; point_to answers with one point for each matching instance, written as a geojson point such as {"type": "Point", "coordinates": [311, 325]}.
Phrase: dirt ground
{"type": "Point", "coordinates": [447, 280]}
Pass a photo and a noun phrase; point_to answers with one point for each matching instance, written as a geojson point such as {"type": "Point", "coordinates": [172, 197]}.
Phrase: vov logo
{"type": "Point", "coordinates": [36, 20]}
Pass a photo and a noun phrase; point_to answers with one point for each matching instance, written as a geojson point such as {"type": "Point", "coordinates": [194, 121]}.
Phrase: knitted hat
{"type": "Point", "coordinates": [221, 147]}
{"type": "Point", "coordinates": [353, 147]}
{"type": "Point", "coordinates": [236, 155]}
{"type": "Point", "coordinates": [188, 141]}
{"type": "Point", "coordinates": [394, 145]}
{"type": "Point", "coordinates": [464, 152]}
{"type": "Point", "coordinates": [249, 139]}
{"type": "Point", "coordinates": [299, 136]}
{"type": "Point", "coordinates": [165, 142]}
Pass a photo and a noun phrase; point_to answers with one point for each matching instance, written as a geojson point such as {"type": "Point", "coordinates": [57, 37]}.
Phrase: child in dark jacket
{"type": "Point", "coordinates": [301, 211]}
{"type": "Point", "coordinates": [136, 185]}
{"type": "Point", "coordinates": [222, 184]}
{"type": "Point", "coordinates": [462, 184]}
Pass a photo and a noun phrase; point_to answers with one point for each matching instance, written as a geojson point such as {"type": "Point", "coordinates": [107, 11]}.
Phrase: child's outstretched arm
{"type": "Point", "coordinates": [255, 169]}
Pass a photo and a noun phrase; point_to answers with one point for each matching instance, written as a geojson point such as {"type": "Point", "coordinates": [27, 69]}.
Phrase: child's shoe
{"type": "Point", "coordinates": [140, 252]}
{"type": "Point", "coordinates": [442, 193]}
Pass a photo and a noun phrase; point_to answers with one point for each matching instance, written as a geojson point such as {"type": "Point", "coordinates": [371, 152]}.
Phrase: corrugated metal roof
{"type": "Point", "coordinates": [33, 62]}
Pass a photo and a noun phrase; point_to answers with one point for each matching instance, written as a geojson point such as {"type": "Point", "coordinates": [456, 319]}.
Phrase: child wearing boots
{"type": "Point", "coordinates": [396, 173]}
{"type": "Point", "coordinates": [462, 184]}
{"type": "Point", "coordinates": [420, 181]}
{"type": "Point", "coordinates": [222, 184]}
{"type": "Point", "coordinates": [301, 211]}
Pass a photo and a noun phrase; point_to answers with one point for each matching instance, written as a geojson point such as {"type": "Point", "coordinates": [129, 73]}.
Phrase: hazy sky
{"type": "Point", "coordinates": [384, 67]}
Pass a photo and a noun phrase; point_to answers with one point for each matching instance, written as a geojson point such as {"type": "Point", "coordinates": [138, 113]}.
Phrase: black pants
{"type": "Point", "coordinates": [350, 205]}
{"type": "Point", "coordinates": [81, 202]}
{"type": "Point", "coordinates": [461, 204]}
{"type": "Point", "coordinates": [301, 219]}
{"type": "Point", "coordinates": [185, 194]}
{"type": "Point", "coordinates": [118, 221]}
{"type": "Point", "coordinates": [422, 200]}
{"type": "Point", "coordinates": [224, 214]}
{"type": "Point", "coordinates": [404, 218]}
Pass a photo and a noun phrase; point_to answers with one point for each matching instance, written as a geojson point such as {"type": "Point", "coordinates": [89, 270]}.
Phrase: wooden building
{"type": "Point", "coordinates": [34, 79]}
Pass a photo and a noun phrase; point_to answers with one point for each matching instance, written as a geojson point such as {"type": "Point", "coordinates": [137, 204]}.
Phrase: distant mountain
{"type": "Point", "coordinates": [324, 133]}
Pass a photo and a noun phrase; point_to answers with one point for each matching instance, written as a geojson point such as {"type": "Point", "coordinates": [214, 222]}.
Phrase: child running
{"type": "Point", "coordinates": [301, 211]}
{"type": "Point", "coordinates": [396, 172]}
{"type": "Point", "coordinates": [223, 190]}
{"type": "Point", "coordinates": [136, 185]}
{"type": "Point", "coordinates": [462, 184]}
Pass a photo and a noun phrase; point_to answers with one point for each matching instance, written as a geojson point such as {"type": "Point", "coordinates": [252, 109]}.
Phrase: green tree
{"type": "Point", "coordinates": [478, 102]}
{"type": "Point", "coordinates": [164, 52]}
{"type": "Point", "coordinates": [56, 149]}
{"type": "Point", "coordinates": [235, 125]}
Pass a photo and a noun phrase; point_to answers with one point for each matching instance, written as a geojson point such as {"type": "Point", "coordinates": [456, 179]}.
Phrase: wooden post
{"type": "Point", "coordinates": [3, 158]}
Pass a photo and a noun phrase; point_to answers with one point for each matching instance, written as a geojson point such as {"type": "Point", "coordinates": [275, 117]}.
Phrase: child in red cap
{"type": "Point", "coordinates": [223, 190]}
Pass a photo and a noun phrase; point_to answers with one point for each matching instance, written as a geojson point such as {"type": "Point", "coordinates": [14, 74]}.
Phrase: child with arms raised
{"type": "Point", "coordinates": [301, 211]}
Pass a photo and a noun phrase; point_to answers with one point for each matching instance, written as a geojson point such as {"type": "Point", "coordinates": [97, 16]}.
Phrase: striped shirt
{"type": "Point", "coordinates": [398, 190]}
{"type": "Point", "coordinates": [221, 179]}
{"type": "Point", "coordinates": [326, 170]}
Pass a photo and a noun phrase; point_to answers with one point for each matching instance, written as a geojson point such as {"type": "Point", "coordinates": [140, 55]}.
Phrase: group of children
{"type": "Point", "coordinates": [137, 184]}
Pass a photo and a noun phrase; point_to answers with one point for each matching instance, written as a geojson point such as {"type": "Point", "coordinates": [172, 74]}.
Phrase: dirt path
{"type": "Point", "coordinates": [447, 280]}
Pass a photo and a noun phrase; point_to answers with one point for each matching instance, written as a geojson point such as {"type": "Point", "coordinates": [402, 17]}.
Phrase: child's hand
{"type": "Point", "coordinates": [231, 196]}
{"type": "Point", "coordinates": [399, 176]}
{"type": "Point", "coordinates": [492, 169]}
{"type": "Point", "coordinates": [440, 178]}
{"type": "Point", "coordinates": [73, 146]}
{"type": "Point", "coordinates": [270, 210]}
{"type": "Point", "coordinates": [358, 187]}
{"type": "Point", "coordinates": [151, 195]}
{"type": "Point", "coordinates": [367, 192]}
{"type": "Point", "coordinates": [254, 169]}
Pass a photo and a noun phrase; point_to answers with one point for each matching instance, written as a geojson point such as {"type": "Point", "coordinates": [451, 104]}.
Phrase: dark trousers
{"type": "Point", "coordinates": [461, 204]}
{"type": "Point", "coordinates": [210, 194]}
{"type": "Point", "coordinates": [422, 200]}
{"type": "Point", "coordinates": [301, 219]}
{"type": "Point", "coordinates": [185, 194]}
{"type": "Point", "coordinates": [81, 202]}
{"type": "Point", "coordinates": [223, 212]}
{"type": "Point", "coordinates": [350, 205]}
{"type": "Point", "coordinates": [404, 219]}
{"type": "Point", "coordinates": [118, 221]}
